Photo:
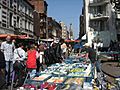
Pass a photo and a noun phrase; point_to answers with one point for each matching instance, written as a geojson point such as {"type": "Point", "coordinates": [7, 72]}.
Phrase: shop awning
{"type": "Point", "coordinates": [15, 36]}
{"type": "Point", "coordinates": [5, 35]}
{"type": "Point", "coordinates": [49, 40]}
{"type": "Point", "coordinates": [23, 37]}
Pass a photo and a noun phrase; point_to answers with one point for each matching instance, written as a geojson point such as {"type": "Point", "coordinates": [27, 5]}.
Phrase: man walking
{"type": "Point", "coordinates": [95, 64]}
{"type": "Point", "coordinates": [7, 48]}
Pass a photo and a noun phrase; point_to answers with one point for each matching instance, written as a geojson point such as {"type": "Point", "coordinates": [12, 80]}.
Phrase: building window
{"type": "Point", "coordinates": [29, 12]}
{"type": "Point", "coordinates": [14, 17]}
{"type": "Point", "coordinates": [28, 25]}
{"type": "Point", "coordinates": [4, 7]}
{"type": "Point", "coordinates": [11, 15]}
{"type": "Point", "coordinates": [25, 24]}
{"type": "Point", "coordinates": [20, 25]}
{"type": "Point", "coordinates": [18, 21]}
{"type": "Point", "coordinates": [4, 2]}
{"type": "Point", "coordinates": [14, 23]}
{"type": "Point", "coordinates": [15, 9]}
{"type": "Point", "coordinates": [91, 1]}
{"type": "Point", "coordinates": [0, 14]}
{"type": "Point", "coordinates": [3, 21]}
{"type": "Point", "coordinates": [4, 17]}
{"type": "Point", "coordinates": [102, 26]}
{"type": "Point", "coordinates": [4, 12]}
{"type": "Point", "coordinates": [25, 9]}
{"type": "Point", "coordinates": [15, 1]}
{"type": "Point", "coordinates": [11, 2]}
{"type": "Point", "coordinates": [98, 25]}
{"type": "Point", "coordinates": [3, 24]}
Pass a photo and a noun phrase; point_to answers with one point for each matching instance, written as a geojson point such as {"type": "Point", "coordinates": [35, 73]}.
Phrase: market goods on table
{"type": "Point", "coordinates": [41, 77]}
{"type": "Point", "coordinates": [77, 70]}
{"type": "Point", "coordinates": [67, 74]}
{"type": "Point", "coordinates": [78, 81]}
{"type": "Point", "coordinates": [56, 79]}
{"type": "Point", "coordinates": [76, 74]}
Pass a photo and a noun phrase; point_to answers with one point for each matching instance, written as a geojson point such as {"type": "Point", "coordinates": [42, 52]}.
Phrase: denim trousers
{"type": "Point", "coordinates": [9, 66]}
{"type": "Point", "coordinates": [95, 68]}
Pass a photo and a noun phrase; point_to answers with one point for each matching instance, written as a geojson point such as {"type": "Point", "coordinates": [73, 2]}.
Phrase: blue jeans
{"type": "Point", "coordinates": [94, 65]}
{"type": "Point", "coordinates": [8, 75]}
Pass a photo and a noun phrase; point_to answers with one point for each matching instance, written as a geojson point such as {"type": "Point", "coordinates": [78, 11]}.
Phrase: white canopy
{"type": "Point", "coordinates": [84, 37]}
{"type": "Point", "coordinates": [50, 40]}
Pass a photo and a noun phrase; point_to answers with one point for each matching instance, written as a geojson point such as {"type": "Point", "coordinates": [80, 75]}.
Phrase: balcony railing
{"type": "Point", "coordinates": [98, 16]}
{"type": "Point", "coordinates": [98, 3]}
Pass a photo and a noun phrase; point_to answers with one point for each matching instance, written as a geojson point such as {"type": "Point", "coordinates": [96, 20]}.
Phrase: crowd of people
{"type": "Point", "coordinates": [19, 59]}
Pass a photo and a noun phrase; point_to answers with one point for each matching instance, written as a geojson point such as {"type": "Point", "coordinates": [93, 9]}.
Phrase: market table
{"type": "Point", "coordinates": [63, 76]}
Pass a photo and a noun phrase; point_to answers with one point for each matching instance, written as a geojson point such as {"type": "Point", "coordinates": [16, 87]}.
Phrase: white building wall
{"type": "Point", "coordinates": [109, 32]}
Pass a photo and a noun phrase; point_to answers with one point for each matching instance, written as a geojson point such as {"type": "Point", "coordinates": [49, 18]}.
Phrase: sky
{"type": "Point", "coordinates": [67, 11]}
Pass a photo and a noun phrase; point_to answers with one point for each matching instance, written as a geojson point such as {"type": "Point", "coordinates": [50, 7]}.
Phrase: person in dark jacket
{"type": "Point", "coordinates": [92, 55]}
{"type": "Point", "coordinates": [2, 70]}
{"type": "Point", "coordinates": [2, 60]}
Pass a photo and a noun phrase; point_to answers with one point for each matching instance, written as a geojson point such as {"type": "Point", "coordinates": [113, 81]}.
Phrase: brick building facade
{"type": "Point", "coordinates": [40, 18]}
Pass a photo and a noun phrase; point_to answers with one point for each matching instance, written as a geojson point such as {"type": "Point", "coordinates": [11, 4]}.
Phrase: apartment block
{"type": "Point", "coordinates": [16, 17]}
{"type": "Point", "coordinates": [99, 21]}
{"type": "Point", "coordinates": [116, 6]}
{"type": "Point", "coordinates": [54, 29]}
{"type": "Point", "coordinates": [64, 30]}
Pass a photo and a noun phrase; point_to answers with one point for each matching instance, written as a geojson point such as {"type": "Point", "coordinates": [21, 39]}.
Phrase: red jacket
{"type": "Point", "coordinates": [31, 60]}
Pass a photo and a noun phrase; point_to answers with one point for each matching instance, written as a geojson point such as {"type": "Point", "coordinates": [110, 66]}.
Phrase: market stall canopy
{"type": "Point", "coordinates": [15, 36]}
{"type": "Point", "coordinates": [47, 40]}
{"type": "Point", "coordinates": [72, 40]}
{"type": "Point", "coordinates": [5, 35]}
{"type": "Point", "coordinates": [23, 37]}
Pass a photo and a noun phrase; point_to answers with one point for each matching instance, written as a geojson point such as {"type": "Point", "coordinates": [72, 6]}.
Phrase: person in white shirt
{"type": "Point", "coordinates": [19, 53]}
{"type": "Point", "coordinates": [7, 47]}
{"type": "Point", "coordinates": [100, 46]}
{"type": "Point", "coordinates": [95, 45]}
{"type": "Point", "coordinates": [19, 66]}
{"type": "Point", "coordinates": [64, 50]}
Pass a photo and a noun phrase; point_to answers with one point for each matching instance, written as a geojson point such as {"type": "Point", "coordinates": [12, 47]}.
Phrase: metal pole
{"type": "Point", "coordinates": [47, 34]}
{"type": "Point", "coordinates": [8, 78]}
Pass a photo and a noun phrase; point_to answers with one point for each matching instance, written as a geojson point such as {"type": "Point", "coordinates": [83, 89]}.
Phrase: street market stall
{"type": "Point", "coordinates": [62, 76]}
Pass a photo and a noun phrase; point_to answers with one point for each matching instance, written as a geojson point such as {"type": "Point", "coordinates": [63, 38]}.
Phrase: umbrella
{"type": "Point", "coordinates": [77, 46]}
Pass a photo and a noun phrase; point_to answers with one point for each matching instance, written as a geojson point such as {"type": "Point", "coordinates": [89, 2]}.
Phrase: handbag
{"type": "Point", "coordinates": [19, 65]}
